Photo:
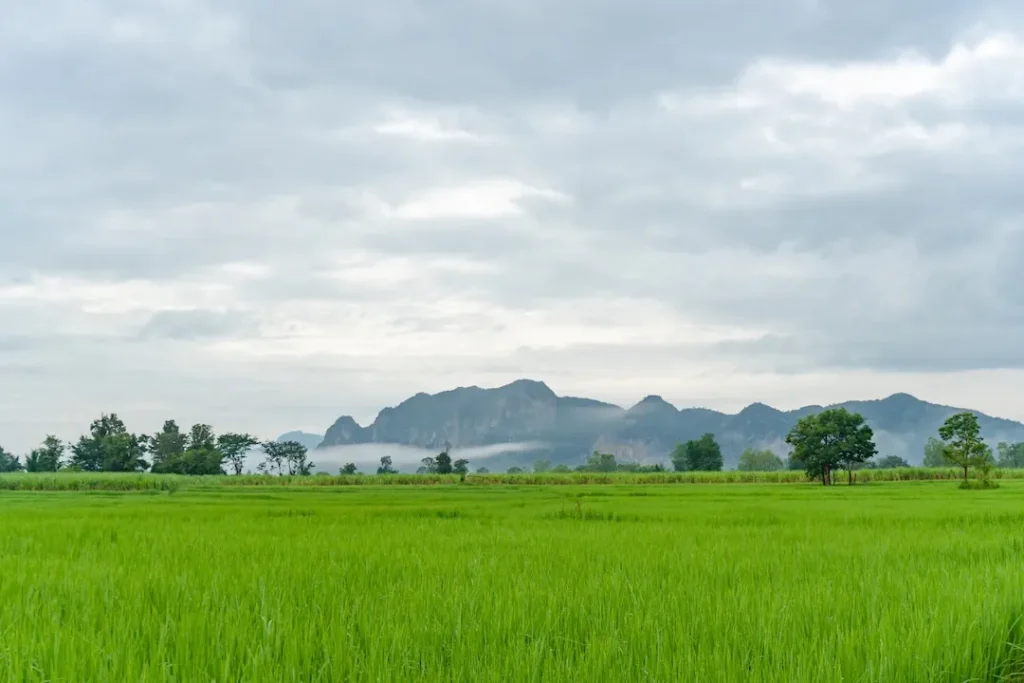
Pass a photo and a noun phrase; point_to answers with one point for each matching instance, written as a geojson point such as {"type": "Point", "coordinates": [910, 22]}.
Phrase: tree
{"type": "Point", "coordinates": [428, 465]}
{"type": "Point", "coordinates": [1011, 456]}
{"type": "Point", "coordinates": [891, 462]}
{"type": "Point", "coordinates": [166, 447]}
{"type": "Point", "coordinates": [385, 466]}
{"type": "Point", "coordinates": [759, 461]}
{"type": "Point", "coordinates": [935, 454]}
{"type": "Point", "coordinates": [443, 463]}
{"type": "Point", "coordinates": [482, 470]}
{"type": "Point", "coordinates": [349, 469]}
{"type": "Point", "coordinates": [600, 462]}
{"type": "Point", "coordinates": [291, 453]}
{"type": "Point", "coordinates": [234, 448]}
{"type": "Point", "coordinates": [48, 457]}
{"type": "Point", "coordinates": [514, 470]}
{"type": "Point", "coordinates": [834, 438]}
{"type": "Point", "coordinates": [698, 455]}
{"type": "Point", "coordinates": [542, 466]}
{"type": "Point", "coordinates": [561, 469]}
{"type": "Point", "coordinates": [461, 466]}
{"type": "Point", "coordinates": [8, 462]}
{"type": "Point", "coordinates": [964, 445]}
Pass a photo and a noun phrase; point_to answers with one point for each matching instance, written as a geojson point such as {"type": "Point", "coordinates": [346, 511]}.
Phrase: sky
{"type": "Point", "coordinates": [263, 215]}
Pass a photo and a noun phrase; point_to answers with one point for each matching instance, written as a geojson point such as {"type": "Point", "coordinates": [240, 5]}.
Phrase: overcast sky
{"type": "Point", "coordinates": [265, 214]}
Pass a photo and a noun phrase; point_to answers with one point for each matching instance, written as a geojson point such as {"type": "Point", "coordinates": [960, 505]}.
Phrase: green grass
{"type": "Point", "coordinates": [907, 581]}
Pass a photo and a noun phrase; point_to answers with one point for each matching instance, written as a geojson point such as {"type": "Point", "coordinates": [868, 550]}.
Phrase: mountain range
{"type": "Point", "coordinates": [523, 421]}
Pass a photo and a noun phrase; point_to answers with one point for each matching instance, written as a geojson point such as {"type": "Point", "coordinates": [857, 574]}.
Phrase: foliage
{"type": "Point", "coordinates": [460, 466]}
{"type": "Point", "coordinates": [290, 454]}
{"type": "Point", "coordinates": [935, 454]}
{"type": "Point", "coordinates": [965, 446]}
{"type": "Point", "coordinates": [234, 448]}
{"type": "Point", "coordinates": [109, 447]}
{"type": "Point", "coordinates": [698, 455]}
{"type": "Point", "coordinates": [760, 461]}
{"type": "Point", "coordinates": [600, 462]}
{"type": "Point", "coordinates": [832, 439]}
{"type": "Point", "coordinates": [349, 469]}
{"type": "Point", "coordinates": [48, 457]}
{"type": "Point", "coordinates": [8, 462]}
{"type": "Point", "coordinates": [541, 466]}
{"type": "Point", "coordinates": [1011, 455]}
{"type": "Point", "coordinates": [891, 462]}
{"type": "Point", "coordinates": [386, 466]}
{"type": "Point", "coordinates": [443, 463]}
{"type": "Point", "coordinates": [515, 470]}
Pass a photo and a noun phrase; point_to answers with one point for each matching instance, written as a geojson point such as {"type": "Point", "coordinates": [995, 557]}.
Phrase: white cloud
{"type": "Point", "coordinates": [265, 215]}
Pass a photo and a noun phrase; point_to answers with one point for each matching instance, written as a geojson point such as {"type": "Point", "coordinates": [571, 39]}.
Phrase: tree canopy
{"type": "Point", "coordinates": [829, 440]}
{"type": "Point", "coordinates": [964, 445]}
{"type": "Point", "coordinates": [698, 455]}
{"type": "Point", "coordinates": [759, 461]}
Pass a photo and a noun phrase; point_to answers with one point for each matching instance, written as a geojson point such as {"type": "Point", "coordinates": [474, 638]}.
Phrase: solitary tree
{"type": "Point", "coordinates": [964, 445]}
{"type": "Point", "coordinates": [386, 466]}
{"type": "Point", "coordinates": [831, 439]}
{"type": "Point", "coordinates": [443, 462]}
{"type": "Point", "coordinates": [759, 461]}
{"type": "Point", "coordinates": [428, 465]}
{"type": "Point", "coordinates": [349, 469]}
{"type": "Point", "coordinates": [460, 466]}
{"type": "Point", "coordinates": [600, 462]}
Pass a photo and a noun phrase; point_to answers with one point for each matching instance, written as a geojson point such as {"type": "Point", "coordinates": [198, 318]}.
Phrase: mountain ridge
{"type": "Point", "coordinates": [572, 427]}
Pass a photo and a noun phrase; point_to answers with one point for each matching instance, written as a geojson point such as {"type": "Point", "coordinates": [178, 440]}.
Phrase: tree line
{"type": "Point", "coordinates": [110, 447]}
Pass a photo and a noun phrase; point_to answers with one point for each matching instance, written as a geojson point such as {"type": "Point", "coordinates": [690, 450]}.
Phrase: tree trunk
{"type": "Point", "coordinates": [965, 473]}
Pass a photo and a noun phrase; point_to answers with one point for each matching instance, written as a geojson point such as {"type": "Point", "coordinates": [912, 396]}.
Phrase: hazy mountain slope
{"type": "Point", "coordinates": [534, 422]}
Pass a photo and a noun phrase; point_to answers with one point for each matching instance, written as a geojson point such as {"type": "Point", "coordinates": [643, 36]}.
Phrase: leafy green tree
{"type": "Point", "coordinates": [759, 461]}
{"type": "Point", "coordinates": [386, 466]}
{"type": "Point", "coordinates": [482, 470]}
{"type": "Point", "coordinates": [428, 465]}
{"type": "Point", "coordinates": [234, 448]}
{"type": "Point", "coordinates": [8, 462]}
{"type": "Point", "coordinates": [600, 462]}
{"type": "Point", "coordinates": [514, 470]}
{"type": "Point", "coordinates": [892, 462]}
{"type": "Point", "coordinates": [349, 469]}
{"type": "Point", "coordinates": [698, 455]}
{"type": "Point", "coordinates": [542, 466]}
{"type": "Point", "coordinates": [964, 445]}
{"type": "Point", "coordinates": [1011, 456]}
{"type": "Point", "coordinates": [48, 457]}
{"type": "Point", "coordinates": [561, 469]}
{"type": "Point", "coordinates": [280, 454]}
{"type": "Point", "coordinates": [935, 454]}
{"type": "Point", "coordinates": [443, 462]}
{"type": "Point", "coordinates": [166, 448]}
{"type": "Point", "coordinates": [831, 439]}
{"type": "Point", "coordinates": [109, 447]}
{"type": "Point", "coordinates": [460, 466]}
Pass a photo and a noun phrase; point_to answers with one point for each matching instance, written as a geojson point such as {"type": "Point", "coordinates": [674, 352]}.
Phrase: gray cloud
{"type": "Point", "coordinates": [274, 214]}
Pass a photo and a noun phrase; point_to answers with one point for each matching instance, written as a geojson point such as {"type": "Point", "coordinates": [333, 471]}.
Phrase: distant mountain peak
{"type": "Point", "coordinates": [527, 412]}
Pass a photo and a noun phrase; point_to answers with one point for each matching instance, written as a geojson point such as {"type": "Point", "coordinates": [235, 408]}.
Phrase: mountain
{"type": "Point", "coordinates": [308, 440]}
{"type": "Point", "coordinates": [527, 421]}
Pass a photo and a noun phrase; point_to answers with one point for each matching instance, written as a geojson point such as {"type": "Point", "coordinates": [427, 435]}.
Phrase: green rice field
{"type": "Point", "coordinates": [626, 580]}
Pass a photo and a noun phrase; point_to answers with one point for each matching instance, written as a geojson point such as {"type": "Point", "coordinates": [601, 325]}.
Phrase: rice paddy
{"type": "Point", "coordinates": [171, 580]}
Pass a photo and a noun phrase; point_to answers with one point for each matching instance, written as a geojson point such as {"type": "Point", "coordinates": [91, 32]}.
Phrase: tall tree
{"type": "Point", "coordinates": [428, 465]}
{"type": "Point", "coordinates": [166, 448]}
{"type": "Point", "coordinates": [601, 462]}
{"type": "Point", "coordinates": [349, 469]}
{"type": "Point", "coordinates": [234, 448]}
{"type": "Point", "coordinates": [700, 455]}
{"type": "Point", "coordinates": [965, 446]}
{"type": "Point", "coordinates": [759, 461]}
{"type": "Point", "coordinates": [109, 447]}
{"type": "Point", "coordinates": [48, 457]}
{"type": "Point", "coordinates": [9, 462]}
{"type": "Point", "coordinates": [443, 462]}
{"type": "Point", "coordinates": [288, 453]}
{"type": "Point", "coordinates": [386, 466]}
{"type": "Point", "coordinates": [460, 466]}
{"type": "Point", "coordinates": [829, 440]}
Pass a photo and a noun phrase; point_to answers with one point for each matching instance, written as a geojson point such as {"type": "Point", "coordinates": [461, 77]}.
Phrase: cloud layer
{"type": "Point", "coordinates": [264, 215]}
